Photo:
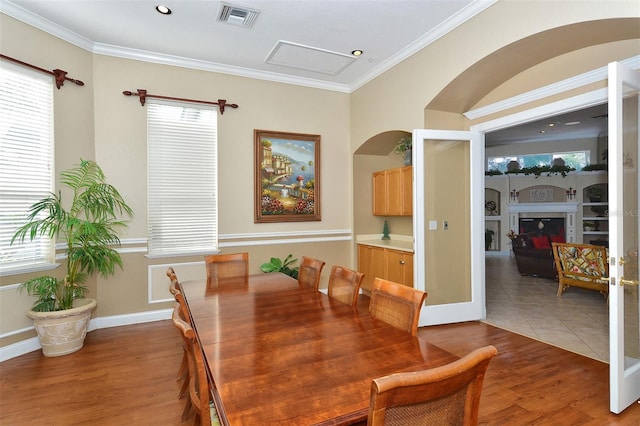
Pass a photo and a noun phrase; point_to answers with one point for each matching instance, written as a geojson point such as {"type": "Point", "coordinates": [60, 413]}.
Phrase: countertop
{"type": "Point", "coordinates": [397, 242]}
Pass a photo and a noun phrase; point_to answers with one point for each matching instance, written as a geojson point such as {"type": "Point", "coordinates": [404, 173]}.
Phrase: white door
{"type": "Point", "coordinates": [448, 224]}
{"type": "Point", "coordinates": [624, 237]}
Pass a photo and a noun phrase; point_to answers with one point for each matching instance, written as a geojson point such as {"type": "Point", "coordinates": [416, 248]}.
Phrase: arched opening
{"type": "Point", "coordinates": [481, 83]}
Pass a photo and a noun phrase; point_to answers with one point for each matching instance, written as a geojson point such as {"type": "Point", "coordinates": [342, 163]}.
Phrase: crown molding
{"type": "Point", "coordinates": [196, 64]}
{"type": "Point", "coordinates": [45, 25]}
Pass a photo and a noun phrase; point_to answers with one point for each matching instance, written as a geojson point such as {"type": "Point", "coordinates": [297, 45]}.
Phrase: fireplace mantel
{"type": "Point", "coordinates": [569, 209]}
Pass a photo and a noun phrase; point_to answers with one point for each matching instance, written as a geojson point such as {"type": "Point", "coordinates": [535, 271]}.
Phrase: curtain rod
{"type": "Point", "coordinates": [60, 75]}
{"type": "Point", "coordinates": [142, 93]}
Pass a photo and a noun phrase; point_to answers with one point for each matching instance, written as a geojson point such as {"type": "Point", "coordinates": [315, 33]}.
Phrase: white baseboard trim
{"type": "Point", "coordinates": [20, 348]}
{"type": "Point", "coordinates": [129, 319]}
{"type": "Point", "coordinates": [32, 344]}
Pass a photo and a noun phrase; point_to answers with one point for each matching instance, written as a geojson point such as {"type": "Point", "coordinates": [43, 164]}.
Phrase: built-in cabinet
{"type": "Point", "coordinates": [389, 264]}
{"type": "Point", "coordinates": [392, 192]}
{"type": "Point", "coordinates": [595, 214]}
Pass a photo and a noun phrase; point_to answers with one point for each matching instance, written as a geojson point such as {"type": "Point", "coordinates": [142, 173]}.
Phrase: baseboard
{"type": "Point", "coordinates": [32, 344]}
{"type": "Point", "coordinates": [20, 348]}
{"type": "Point", "coordinates": [129, 319]}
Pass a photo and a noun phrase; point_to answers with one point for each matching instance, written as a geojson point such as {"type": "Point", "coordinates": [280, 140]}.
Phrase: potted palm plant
{"type": "Point", "coordinates": [89, 228]}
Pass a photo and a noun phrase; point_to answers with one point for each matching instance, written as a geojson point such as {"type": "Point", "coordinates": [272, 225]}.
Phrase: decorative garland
{"type": "Point", "coordinates": [539, 170]}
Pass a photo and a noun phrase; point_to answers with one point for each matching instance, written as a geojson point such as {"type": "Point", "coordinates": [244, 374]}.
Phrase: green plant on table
{"type": "Point", "coordinates": [279, 265]}
{"type": "Point", "coordinates": [88, 227]}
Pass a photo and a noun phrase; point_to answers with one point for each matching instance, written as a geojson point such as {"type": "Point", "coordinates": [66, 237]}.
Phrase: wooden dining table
{"type": "Point", "coordinates": [279, 353]}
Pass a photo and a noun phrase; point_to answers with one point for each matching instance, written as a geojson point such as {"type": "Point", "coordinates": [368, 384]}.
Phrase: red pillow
{"type": "Point", "coordinates": [558, 238]}
{"type": "Point", "coordinates": [541, 242]}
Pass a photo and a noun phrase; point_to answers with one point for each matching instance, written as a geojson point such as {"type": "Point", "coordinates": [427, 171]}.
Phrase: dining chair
{"type": "Point", "coordinates": [199, 395]}
{"type": "Point", "coordinates": [344, 284]}
{"type": "Point", "coordinates": [446, 395]}
{"type": "Point", "coordinates": [309, 272]}
{"type": "Point", "coordinates": [174, 286]}
{"type": "Point", "coordinates": [183, 370]}
{"type": "Point", "coordinates": [226, 266]}
{"type": "Point", "coordinates": [396, 304]}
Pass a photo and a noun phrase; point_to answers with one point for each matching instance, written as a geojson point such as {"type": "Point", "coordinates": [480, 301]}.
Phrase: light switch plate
{"type": "Point", "coordinates": [433, 225]}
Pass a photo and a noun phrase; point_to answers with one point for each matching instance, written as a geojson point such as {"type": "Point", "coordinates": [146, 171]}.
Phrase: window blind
{"type": "Point", "coordinates": [26, 161]}
{"type": "Point", "coordinates": [182, 178]}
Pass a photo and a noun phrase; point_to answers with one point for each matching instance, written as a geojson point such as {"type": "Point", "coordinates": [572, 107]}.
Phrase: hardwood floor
{"type": "Point", "coordinates": [126, 376]}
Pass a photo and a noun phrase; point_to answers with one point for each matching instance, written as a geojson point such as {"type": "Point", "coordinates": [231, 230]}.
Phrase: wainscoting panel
{"type": "Point", "coordinates": [14, 304]}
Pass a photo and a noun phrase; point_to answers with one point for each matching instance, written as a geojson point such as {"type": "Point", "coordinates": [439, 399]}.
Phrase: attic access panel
{"type": "Point", "coordinates": [308, 58]}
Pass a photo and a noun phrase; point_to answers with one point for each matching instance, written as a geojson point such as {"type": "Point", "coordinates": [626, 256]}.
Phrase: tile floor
{"type": "Point", "coordinates": [578, 321]}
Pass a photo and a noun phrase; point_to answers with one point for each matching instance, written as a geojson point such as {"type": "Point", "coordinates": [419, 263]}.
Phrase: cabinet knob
{"type": "Point", "coordinates": [402, 262]}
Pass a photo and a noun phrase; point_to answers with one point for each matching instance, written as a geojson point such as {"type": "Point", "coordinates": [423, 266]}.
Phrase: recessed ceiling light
{"type": "Point", "coordinates": [357, 52]}
{"type": "Point", "coordinates": [163, 9]}
{"type": "Point", "coordinates": [571, 123]}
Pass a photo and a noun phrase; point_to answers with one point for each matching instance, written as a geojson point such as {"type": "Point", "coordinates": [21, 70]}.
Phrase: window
{"type": "Point", "coordinates": [182, 178]}
{"type": "Point", "coordinates": [26, 162]}
{"type": "Point", "coordinates": [575, 159]}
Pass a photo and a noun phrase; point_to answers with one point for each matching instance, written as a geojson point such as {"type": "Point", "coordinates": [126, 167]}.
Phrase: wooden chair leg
{"type": "Point", "coordinates": [183, 375]}
{"type": "Point", "coordinates": [184, 388]}
{"type": "Point", "coordinates": [187, 410]}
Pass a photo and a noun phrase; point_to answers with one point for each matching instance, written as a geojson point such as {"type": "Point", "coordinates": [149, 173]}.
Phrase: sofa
{"type": "Point", "coordinates": [534, 255]}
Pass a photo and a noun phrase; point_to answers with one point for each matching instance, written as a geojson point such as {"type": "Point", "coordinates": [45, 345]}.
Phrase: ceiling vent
{"type": "Point", "coordinates": [238, 16]}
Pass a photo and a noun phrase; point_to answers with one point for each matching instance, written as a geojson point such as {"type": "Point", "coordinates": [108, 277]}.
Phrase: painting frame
{"type": "Point", "coordinates": [286, 177]}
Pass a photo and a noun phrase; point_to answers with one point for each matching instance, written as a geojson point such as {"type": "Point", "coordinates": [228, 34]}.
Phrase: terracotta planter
{"type": "Point", "coordinates": [63, 332]}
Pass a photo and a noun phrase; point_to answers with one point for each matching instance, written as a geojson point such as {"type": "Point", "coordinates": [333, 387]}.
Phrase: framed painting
{"type": "Point", "coordinates": [287, 177]}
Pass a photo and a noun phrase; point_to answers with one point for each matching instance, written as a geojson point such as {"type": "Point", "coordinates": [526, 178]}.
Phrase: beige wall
{"type": "Point", "coordinates": [397, 99]}
{"type": "Point", "coordinates": [98, 122]}
{"type": "Point", "coordinates": [495, 55]}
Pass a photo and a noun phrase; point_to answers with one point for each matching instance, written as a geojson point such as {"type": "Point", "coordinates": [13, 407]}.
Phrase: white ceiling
{"type": "Point", "coordinates": [317, 34]}
{"type": "Point", "coordinates": [587, 123]}
{"type": "Point", "coordinates": [303, 42]}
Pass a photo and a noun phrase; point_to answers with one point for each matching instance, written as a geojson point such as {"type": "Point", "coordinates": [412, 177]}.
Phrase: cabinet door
{"type": "Point", "coordinates": [372, 263]}
{"type": "Point", "coordinates": [378, 263]}
{"type": "Point", "coordinates": [379, 194]}
{"type": "Point", "coordinates": [394, 192]}
{"type": "Point", "coordinates": [407, 191]}
{"type": "Point", "coordinates": [408, 269]}
{"type": "Point", "coordinates": [400, 267]}
{"type": "Point", "coordinates": [364, 266]}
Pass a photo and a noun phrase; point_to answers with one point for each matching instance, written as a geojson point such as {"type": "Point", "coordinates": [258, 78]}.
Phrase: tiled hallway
{"type": "Point", "coordinates": [578, 321]}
